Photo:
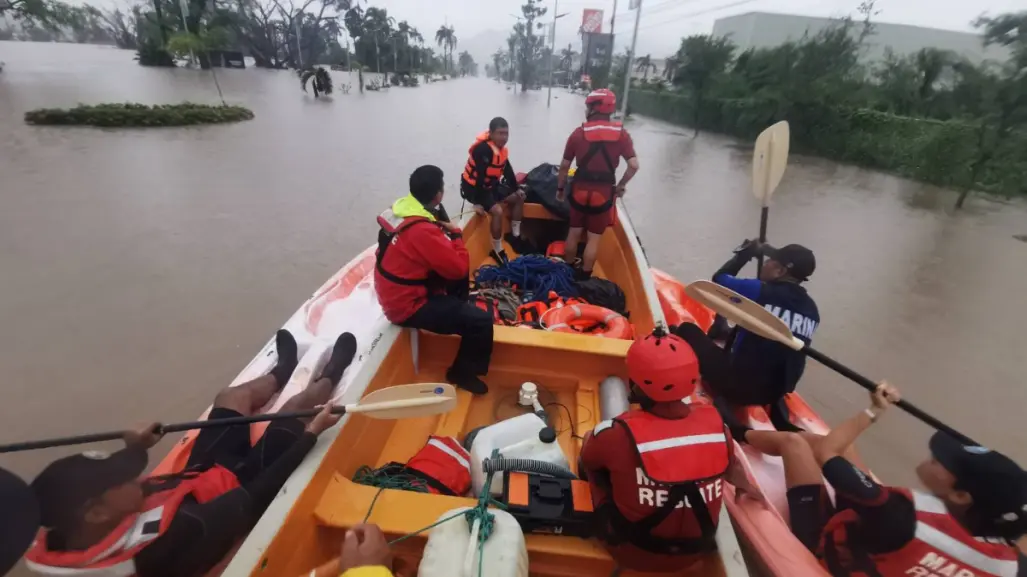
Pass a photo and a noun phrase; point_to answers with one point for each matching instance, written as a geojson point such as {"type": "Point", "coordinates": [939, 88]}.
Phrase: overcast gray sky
{"type": "Point", "coordinates": [664, 22]}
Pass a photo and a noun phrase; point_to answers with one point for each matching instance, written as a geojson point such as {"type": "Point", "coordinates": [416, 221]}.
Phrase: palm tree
{"type": "Point", "coordinates": [378, 22]}
{"type": "Point", "coordinates": [497, 61]}
{"type": "Point", "coordinates": [643, 65]}
{"type": "Point", "coordinates": [415, 35]}
{"type": "Point", "coordinates": [670, 68]}
{"type": "Point", "coordinates": [446, 39]}
{"type": "Point", "coordinates": [567, 58]}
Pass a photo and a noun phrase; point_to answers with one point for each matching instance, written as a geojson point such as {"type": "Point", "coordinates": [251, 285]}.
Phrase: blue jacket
{"type": "Point", "coordinates": [788, 301]}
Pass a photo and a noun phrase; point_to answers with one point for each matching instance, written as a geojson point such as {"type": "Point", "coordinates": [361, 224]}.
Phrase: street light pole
{"type": "Point", "coordinates": [631, 58]}
{"type": "Point", "coordinates": [552, 50]}
{"type": "Point", "coordinates": [609, 63]}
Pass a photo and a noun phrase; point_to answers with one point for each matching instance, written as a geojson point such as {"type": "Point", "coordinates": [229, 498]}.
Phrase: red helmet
{"type": "Point", "coordinates": [664, 367]}
{"type": "Point", "coordinates": [602, 101]}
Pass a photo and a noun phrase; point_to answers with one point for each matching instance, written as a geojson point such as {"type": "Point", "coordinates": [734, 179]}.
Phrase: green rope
{"type": "Point", "coordinates": [479, 512]}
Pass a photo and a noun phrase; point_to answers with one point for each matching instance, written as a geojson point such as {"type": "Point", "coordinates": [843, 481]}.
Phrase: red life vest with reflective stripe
{"type": "Point", "coordinates": [678, 450]}
{"type": "Point", "coordinates": [445, 464]}
{"type": "Point", "coordinates": [602, 131]}
{"type": "Point", "coordinates": [112, 557]}
{"type": "Point", "coordinates": [585, 195]}
{"type": "Point", "coordinates": [494, 171]}
{"type": "Point", "coordinates": [940, 547]}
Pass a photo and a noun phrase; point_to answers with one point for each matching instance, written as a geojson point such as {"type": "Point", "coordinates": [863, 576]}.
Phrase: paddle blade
{"type": "Point", "coordinates": [743, 312]}
{"type": "Point", "coordinates": [407, 401]}
{"type": "Point", "coordinates": [769, 159]}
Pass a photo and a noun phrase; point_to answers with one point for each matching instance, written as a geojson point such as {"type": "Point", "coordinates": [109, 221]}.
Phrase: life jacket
{"type": "Point", "coordinates": [443, 465]}
{"type": "Point", "coordinates": [587, 199]}
{"type": "Point", "coordinates": [113, 556]}
{"type": "Point", "coordinates": [489, 305]}
{"type": "Point", "coordinates": [494, 171]}
{"type": "Point", "coordinates": [391, 227]}
{"type": "Point", "coordinates": [679, 454]}
{"type": "Point", "coordinates": [940, 547]}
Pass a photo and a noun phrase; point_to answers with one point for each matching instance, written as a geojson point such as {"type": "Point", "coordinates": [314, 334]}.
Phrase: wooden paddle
{"type": "Point", "coordinates": [769, 159]}
{"type": "Point", "coordinates": [398, 402]}
{"type": "Point", "coordinates": [760, 321]}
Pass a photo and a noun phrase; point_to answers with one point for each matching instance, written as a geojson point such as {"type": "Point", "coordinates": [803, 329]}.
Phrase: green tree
{"type": "Point", "coordinates": [467, 64]}
{"type": "Point", "coordinates": [445, 37]}
{"type": "Point", "coordinates": [644, 64]}
{"type": "Point", "coordinates": [702, 58]}
{"type": "Point", "coordinates": [497, 63]}
{"type": "Point", "coordinates": [529, 45]}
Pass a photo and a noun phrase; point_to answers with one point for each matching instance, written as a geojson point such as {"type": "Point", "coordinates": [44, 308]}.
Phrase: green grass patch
{"type": "Point", "coordinates": [130, 115]}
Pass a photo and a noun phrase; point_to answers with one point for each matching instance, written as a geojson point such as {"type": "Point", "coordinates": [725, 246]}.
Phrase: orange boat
{"type": "Point", "coordinates": [304, 526]}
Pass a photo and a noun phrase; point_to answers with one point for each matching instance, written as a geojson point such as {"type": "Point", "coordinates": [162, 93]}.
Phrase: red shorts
{"type": "Point", "coordinates": [593, 223]}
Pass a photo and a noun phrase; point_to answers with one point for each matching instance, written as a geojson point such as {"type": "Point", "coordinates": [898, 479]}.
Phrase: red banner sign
{"type": "Point", "coordinates": [592, 21]}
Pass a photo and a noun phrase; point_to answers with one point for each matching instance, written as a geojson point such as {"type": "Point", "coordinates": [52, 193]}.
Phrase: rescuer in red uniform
{"type": "Point", "coordinates": [421, 277]}
{"type": "Point", "coordinates": [597, 147]}
{"type": "Point", "coordinates": [970, 523]}
{"type": "Point", "coordinates": [656, 473]}
{"type": "Point", "coordinates": [100, 518]}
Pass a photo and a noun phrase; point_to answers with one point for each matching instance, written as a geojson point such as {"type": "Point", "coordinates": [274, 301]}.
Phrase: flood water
{"type": "Point", "coordinates": [141, 269]}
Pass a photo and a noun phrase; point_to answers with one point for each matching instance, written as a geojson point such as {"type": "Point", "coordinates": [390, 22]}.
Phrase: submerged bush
{"type": "Point", "coordinates": [137, 115]}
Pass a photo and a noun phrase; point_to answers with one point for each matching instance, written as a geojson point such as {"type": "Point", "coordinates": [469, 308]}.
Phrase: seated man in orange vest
{"type": "Point", "coordinates": [656, 472]}
{"type": "Point", "coordinates": [972, 523]}
{"type": "Point", "coordinates": [489, 182]}
{"type": "Point", "coordinates": [97, 513]}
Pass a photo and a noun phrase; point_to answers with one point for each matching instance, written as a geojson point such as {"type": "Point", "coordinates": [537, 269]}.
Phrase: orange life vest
{"type": "Point", "coordinates": [593, 199]}
{"type": "Point", "coordinates": [940, 547]}
{"type": "Point", "coordinates": [112, 557]}
{"type": "Point", "coordinates": [494, 171]}
{"type": "Point", "coordinates": [444, 465]}
{"type": "Point", "coordinates": [679, 455]}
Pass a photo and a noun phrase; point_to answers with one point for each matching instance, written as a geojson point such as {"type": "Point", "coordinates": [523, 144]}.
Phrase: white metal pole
{"type": "Point", "coordinates": [613, 40]}
{"type": "Point", "coordinates": [552, 52]}
{"type": "Point", "coordinates": [631, 58]}
{"type": "Point", "coordinates": [183, 5]}
{"type": "Point", "coordinates": [299, 50]}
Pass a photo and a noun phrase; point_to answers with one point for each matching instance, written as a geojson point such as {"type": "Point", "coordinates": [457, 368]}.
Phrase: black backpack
{"type": "Point", "coordinates": [604, 293]}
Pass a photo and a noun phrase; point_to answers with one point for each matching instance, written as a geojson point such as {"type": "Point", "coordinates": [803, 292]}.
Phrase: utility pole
{"type": "Point", "coordinates": [183, 5]}
{"type": "Point", "coordinates": [631, 57]}
{"type": "Point", "coordinates": [613, 38]}
{"type": "Point", "coordinates": [552, 51]}
{"type": "Point", "coordinates": [299, 50]}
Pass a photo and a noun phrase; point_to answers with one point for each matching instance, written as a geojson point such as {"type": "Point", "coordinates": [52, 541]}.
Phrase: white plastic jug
{"type": "Point", "coordinates": [516, 438]}
{"type": "Point", "coordinates": [452, 548]}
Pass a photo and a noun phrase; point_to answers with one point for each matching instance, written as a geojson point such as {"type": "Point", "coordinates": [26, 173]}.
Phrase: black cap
{"type": "Point", "coordinates": [66, 485]}
{"type": "Point", "coordinates": [20, 514]}
{"type": "Point", "coordinates": [796, 258]}
{"type": "Point", "coordinates": [997, 484]}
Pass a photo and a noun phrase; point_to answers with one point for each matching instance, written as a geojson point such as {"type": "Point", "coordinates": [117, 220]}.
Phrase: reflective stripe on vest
{"type": "Point", "coordinates": [602, 131]}
{"type": "Point", "coordinates": [940, 546]}
{"type": "Point", "coordinates": [494, 171]}
{"type": "Point", "coordinates": [112, 557]}
{"type": "Point", "coordinates": [672, 451]}
{"type": "Point", "coordinates": [444, 465]}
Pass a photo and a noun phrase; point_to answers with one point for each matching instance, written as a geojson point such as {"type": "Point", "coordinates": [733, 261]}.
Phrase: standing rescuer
{"type": "Point", "coordinates": [656, 473]}
{"type": "Point", "coordinates": [972, 521]}
{"type": "Point", "coordinates": [421, 277]}
{"type": "Point", "coordinates": [489, 182]}
{"type": "Point", "coordinates": [597, 147]}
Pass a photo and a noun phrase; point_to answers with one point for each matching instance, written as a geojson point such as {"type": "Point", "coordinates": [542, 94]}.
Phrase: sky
{"type": "Point", "coordinates": [665, 22]}
{"type": "Point", "coordinates": [483, 25]}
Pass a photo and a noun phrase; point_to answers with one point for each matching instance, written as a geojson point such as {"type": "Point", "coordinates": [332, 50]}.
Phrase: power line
{"type": "Point", "coordinates": [698, 13]}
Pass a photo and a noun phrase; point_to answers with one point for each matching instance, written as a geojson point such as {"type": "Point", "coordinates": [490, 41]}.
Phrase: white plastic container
{"type": "Point", "coordinates": [516, 438]}
{"type": "Point", "coordinates": [452, 549]}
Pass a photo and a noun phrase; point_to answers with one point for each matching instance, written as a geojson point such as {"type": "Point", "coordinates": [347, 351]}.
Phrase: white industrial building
{"type": "Point", "coordinates": [767, 29]}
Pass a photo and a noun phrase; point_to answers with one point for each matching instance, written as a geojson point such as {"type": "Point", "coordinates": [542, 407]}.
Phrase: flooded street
{"type": "Point", "coordinates": [141, 269]}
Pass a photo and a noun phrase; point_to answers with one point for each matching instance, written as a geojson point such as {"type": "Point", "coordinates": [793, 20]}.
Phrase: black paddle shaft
{"type": "Point", "coordinates": [764, 214]}
{"type": "Point", "coordinates": [164, 429]}
{"type": "Point", "coordinates": [872, 386]}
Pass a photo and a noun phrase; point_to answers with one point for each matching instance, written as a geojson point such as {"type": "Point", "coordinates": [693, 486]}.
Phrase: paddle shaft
{"type": "Point", "coordinates": [872, 386]}
{"type": "Point", "coordinates": [164, 429]}
{"type": "Point", "coordinates": [764, 215]}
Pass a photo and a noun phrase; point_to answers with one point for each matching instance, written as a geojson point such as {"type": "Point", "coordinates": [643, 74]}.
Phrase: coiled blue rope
{"type": "Point", "coordinates": [534, 275]}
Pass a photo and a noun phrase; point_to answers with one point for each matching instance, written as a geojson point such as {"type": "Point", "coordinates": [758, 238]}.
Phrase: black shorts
{"type": "Point", "coordinates": [485, 198]}
{"type": "Point", "coordinates": [809, 508]}
{"type": "Point", "coordinates": [230, 446]}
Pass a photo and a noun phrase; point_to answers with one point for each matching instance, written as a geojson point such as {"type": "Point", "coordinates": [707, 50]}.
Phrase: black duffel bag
{"type": "Point", "coordinates": [540, 186]}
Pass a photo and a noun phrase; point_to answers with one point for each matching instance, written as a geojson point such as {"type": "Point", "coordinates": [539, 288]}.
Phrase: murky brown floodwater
{"type": "Point", "coordinates": [140, 270]}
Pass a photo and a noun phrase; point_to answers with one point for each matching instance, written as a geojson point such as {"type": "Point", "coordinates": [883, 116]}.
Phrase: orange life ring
{"type": "Point", "coordinates": [588, 319]}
